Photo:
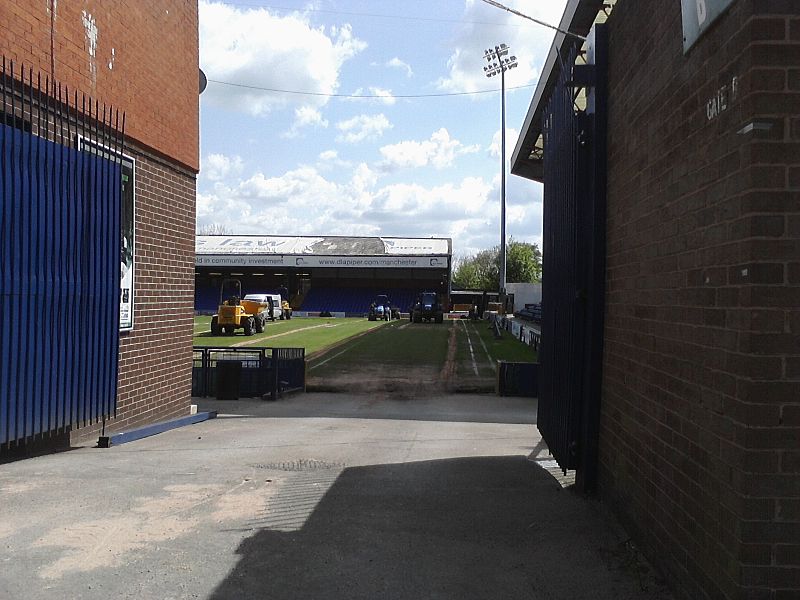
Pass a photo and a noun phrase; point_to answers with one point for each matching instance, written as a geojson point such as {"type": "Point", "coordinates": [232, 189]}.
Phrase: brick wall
{"type": "Point", "coordinates": [700, 425]}
{"type": "Point", "coordinates": [145, 61]}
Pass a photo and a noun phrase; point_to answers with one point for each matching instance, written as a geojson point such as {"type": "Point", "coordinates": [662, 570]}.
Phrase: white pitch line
{"type": "Point", "coordinates": [330, 358]}
{"type": "Point", "coordinates": [471, 352]}
{"type": "Point", "coordinates": [492, 362]}
{"type": "Point", "coordinates": [319, 364]}
{"type": "Point", "coordinates": [277, 335]}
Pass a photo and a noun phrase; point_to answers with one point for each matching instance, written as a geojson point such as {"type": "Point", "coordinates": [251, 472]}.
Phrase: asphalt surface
{"type": "Point", "coordinates": [323, 496]}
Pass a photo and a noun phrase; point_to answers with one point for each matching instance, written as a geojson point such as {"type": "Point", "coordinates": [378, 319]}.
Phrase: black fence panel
{"type": "Point", "coordinates": [518, 379]}
{"type": "Point", "coordinates": [229, 373]}
{"type": "Point", "coordinates": [573, 257]}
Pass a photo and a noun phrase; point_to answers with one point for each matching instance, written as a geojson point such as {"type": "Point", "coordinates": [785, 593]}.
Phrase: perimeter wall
{"type": "Point", "coordinates": [700, 425]}
{"type": "Point", "coordinates": [140, 57]}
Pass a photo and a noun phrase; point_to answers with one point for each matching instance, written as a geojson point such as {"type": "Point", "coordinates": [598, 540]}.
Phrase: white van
{"type": "Point", "coordinates": [274, 302]}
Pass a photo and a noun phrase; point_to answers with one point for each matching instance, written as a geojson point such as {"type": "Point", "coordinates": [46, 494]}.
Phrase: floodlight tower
{"type": "Point", "coordinates": [499, 63]}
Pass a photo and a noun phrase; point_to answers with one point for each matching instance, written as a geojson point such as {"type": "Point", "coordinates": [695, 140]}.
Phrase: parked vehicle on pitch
{"type": "Point", "coordinates": [273, 302]}
{"type": "Point", "coordinates": [249, 315]}
{"type": "Point", "coordinates": [286, 310]}
{"type": "Point", "coordinates": [427, 308]}
{"type": "Point", "coordinates": [380, 309]}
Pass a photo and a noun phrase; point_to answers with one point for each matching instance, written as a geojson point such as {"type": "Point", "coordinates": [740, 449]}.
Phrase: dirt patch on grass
{"type": "Point", "coordinates": [407, 381]}
{"type": "Point", "coordinates": [400, 381]}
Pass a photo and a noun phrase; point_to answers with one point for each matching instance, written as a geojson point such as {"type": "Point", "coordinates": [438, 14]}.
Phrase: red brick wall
{"type": "Point", "coordinates": [700, 425]}
{"type": "Point", "coordinates": [151, 45]}
{"type": "Point", "coordinates": [153, 77]}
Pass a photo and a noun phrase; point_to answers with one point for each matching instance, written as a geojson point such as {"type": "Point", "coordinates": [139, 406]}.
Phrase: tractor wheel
{"type": "Point", "coordinates": [259, 324]}
{"type": "Point", "coordinates": [229, 329]}
{"type": "Point", "coordinates": [215, 328]}
{"type": "Point", "coordinates": [417, 318]}
{"type": "Point", "coordinates": [248, 325]}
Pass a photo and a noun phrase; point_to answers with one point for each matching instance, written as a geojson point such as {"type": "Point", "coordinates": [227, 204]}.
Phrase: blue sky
{"type": "Point", "coordinates": [310, 160]}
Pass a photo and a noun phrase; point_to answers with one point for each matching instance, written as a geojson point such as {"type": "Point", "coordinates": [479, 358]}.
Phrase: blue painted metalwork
{"type": "Point", "coordinates": [148, 430]}
{"type": "Point", "coordinates": [59, 263]}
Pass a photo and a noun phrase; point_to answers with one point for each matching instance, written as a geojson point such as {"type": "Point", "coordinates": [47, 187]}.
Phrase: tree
{"type": "Point", "coordinates": [523, 262]}
{"type": "Point", "coordinates": [213, 229]}
{"type": "Point", "coordinates": [482, 271]}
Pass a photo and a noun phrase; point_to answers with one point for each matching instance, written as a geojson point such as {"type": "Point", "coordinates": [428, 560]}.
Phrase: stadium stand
{"type": "Point", "coordinates": [352, 300]}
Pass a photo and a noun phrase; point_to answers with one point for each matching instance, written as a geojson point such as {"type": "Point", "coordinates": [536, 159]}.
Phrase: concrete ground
{"type": "Point", "coordinates": [325, 496]}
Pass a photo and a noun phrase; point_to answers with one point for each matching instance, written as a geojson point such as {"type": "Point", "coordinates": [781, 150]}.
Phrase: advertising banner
{"type": "Point", "coordinates": [330, 245]}
{"type": "Point", "coordinates": [126, 234]}
{"type": "Point", "coordinates": [305, 262]}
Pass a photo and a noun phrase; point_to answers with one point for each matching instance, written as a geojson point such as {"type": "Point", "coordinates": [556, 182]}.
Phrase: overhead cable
{"type": "Point", "coordinates": [537, 21]}
{"type": "Point", "coordinates": [363, 96]}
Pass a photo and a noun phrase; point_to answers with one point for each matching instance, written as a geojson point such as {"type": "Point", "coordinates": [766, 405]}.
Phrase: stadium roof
{"type": "Point", "coordinates": [578, 18]}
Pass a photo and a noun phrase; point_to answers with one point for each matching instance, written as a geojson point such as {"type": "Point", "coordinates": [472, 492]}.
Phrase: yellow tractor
{"type": "Point", "coordinates": [234, 313]}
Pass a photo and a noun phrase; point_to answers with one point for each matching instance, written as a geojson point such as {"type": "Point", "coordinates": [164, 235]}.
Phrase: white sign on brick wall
{"type": "Point", "coordinates": [699, 15]}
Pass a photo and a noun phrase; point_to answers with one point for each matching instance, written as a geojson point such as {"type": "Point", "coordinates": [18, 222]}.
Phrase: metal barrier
{"type": "Point", "coordinates": [525, 333]}
{"type": "Point", "coordinates": [517, 379]}
{"type": "Point", "coordinates": [230, 373]}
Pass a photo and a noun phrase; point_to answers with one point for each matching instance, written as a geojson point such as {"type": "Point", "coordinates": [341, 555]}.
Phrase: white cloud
{"type": "Point", "coordinates": [384, 96]}
{"type": "Point", "coordinates": [373, 94]}
{"type": "Point", "coordinates": [528, 42]}
{"type": "Point", "coordinates": [261, 49]}
{"type": "Point", "coordinates": [216, 167]}
{"type": "Point", "coordinates": [396, 63]}
{"type": "Point", "coordinates": [439, 151]}
{"type": "Point", "coordinates": [362, 127]}
{"type": "Point", "coordinates": [511, 142]}
{"type": "Point", "coordinates": [328, 155]}
{"type": "Point", "coordinates": [303, 201]}
{"type": "Point", "coordinates": [305, 116]}
{"type": "Point", "coordinates": [329, 161]}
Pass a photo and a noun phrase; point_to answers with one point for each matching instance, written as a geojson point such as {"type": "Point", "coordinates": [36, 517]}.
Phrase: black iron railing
{"type": "Point", "coordinates": [573, 253]}
{"type": "Point", "coordinates": [230, 373]}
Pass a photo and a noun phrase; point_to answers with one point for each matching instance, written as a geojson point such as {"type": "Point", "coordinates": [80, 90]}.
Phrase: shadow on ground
{"type": "Point", "coordinates": [496, 527]}
{"type": "Point", "coordinates": [463, 408]}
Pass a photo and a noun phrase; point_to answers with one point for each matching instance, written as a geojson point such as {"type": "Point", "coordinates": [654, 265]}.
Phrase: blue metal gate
{"type": "Point", "coordinates": [573, 254]}
{"type": "Point", "coordinates": [59, 258]}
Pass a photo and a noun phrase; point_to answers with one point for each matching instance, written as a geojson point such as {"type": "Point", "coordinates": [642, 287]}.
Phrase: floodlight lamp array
{"type": "Point", "coordinates": [498, 60]}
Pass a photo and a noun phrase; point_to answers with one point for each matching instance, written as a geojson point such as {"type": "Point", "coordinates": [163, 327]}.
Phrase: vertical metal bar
{"type": "Point", "coordinates": [275, 378]}
{"type": "Point", "coordinates": [597, 105]}
{"type": "Point", "coordinates": [13, 268]}
{"type": "Point", "coordinates": [46, 276]}
{"type": "Point", "coordinates": [61, 287]}
{"type": "Point", "coordinates": [33, 323]}
{"type": "Point", "coordinates": [70, 197]}
{"type": "Point", "coordinates": [5, 168]}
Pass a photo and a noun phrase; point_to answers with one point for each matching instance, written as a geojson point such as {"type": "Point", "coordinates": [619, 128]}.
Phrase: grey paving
{"type": "Point", "coordinates": [316, 496]}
